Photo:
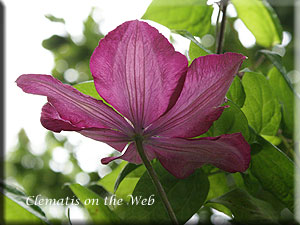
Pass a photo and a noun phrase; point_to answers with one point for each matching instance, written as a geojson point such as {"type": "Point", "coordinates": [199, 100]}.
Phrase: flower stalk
{"type": "Point", "coordinates": [155, 180]}
{"type": "Point", "coordinates": [223, 7]}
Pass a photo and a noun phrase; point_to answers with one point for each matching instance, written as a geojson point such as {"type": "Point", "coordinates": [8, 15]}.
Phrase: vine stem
{"type": "Point", "coordinates": [155, 180]}
{"type": "Point", "coordinates": [223, 6]}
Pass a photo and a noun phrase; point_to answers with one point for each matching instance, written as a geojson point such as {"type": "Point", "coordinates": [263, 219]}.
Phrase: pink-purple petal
{"type": "Point", "coordinates": [51, 120]}
{"type": "Point", "coordinates": [70, 108]}
{"type": "Point", "coordinates": [137, 71]}
{"type": "Point", "coordinates": [207, 81]}
{"type": "Point", "coordinates": [114, 138]}
{"type": "Point", "coordinates": [229, 152]}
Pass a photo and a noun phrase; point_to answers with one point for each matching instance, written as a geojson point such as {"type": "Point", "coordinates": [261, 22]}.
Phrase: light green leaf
{"type": "Point", "coordinates": [261, 20]}
{"type": "Point", "coordinates": [231, 121]}
{"type": "Point", "coordinates": [95, 205]}
{"type": "Point", "coordinates": [54, 19]}
{"type": "Point", "coordinates": [195, 51]}
{"type": "Point", "coordinates": [261, 106]}
{"type": "Point", "coordinates": [185, 195]}
{"type": "Point", "coordinates": [274, 140]}
{"type": "Point", "coordinates": [274, 170]}
{"type": "Point", "coordinates": [191, 15]}
{"type": "Point", "coordinates": [247, 209]}
{"type": "Point", "coordinates": [88, 88]}
{"type": "Point", "coordinates": [130, 170]}
{"type": "Point", "coordinates": [109, 180]}
{"type": "Point", "coordinates": [286, 99]}
{"type": "Point", "coordinates": [17, 203]}
{"type": "Point", "coordinates": [126, 185]}
{"type": "Point", "coordinates": [236, 92]}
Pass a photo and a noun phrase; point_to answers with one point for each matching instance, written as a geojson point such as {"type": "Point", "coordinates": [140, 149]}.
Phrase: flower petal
{"type": "Point", "coordinates": [51, 120]}
{"type": "Point", "coordinates": [70, 108]}
{"type": "Point", "coordinates": [115, 139]}
{"type": "Point", "coordinates": [207, 81]}
{"type": "Point", "coordinates": [137, 71]}
{"type": "Point", "coordinates": [229, 152]}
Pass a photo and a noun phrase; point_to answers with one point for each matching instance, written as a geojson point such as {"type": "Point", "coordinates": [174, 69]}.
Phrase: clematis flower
{"type": "Point", "coordinates": [155, 96]}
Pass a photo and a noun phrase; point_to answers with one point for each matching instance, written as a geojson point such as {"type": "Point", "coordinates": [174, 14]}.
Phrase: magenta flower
{"type": "Point", "coordinates": [162, 100]}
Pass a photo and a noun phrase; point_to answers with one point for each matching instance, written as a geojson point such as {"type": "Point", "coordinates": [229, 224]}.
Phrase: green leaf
{"type": "Point", "coordinates": [99, 212]}
{"type": "Point", "coordinates": [277, 62]}
{"type": "Point", "coordinates": [217, 187]}
{"type": "Point", "coordinates": [126, 185]}
{"type": "Point", "coordinates": [261, 106]}
{"type": "Point", "coordinates": [88, 88]}
{"type": "Point", "coordinates": [17, 203]}
{"type": "Point", "coordinates": [231, 121]}
{"type": "Point", "coordinates": [191, 15]}
{"type": "Point", "coordinates": [261, 20]}
{"type": "Point", "coordinates": [274, 140]}
{"type": "Point", "coordinates": [195, 51]}
{"type": "Point", "coordinates": [286, 99]}
{"type": "Point", "coordinates": [54, 19]}
{"type": "Point", "coordinates": [274, 170]}
{"type": "Point", "coordinates": [196, 48]}
{"type": "Point", "coordinates": [236, 92]}
{"type": "Point", "coordinates": [109, 180]}
{"type": "Point", "coordinates": [247, 209]}
{"type": "Point", "coordinates": [185, 195]}
{"type": "Point", "coordinates": [130, 168]}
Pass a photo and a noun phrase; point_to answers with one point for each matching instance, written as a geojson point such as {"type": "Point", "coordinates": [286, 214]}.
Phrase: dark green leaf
{"type": "Point", "coordinates": [54, 19]}
{"type": "Point", "coordinates": [185, 195]}
{"type": "Point", "coordinates": [17, 203]}
{"type": "Point", "coordinates": [274, 170]}
{"type": "Point", "coordinates": [99, 212]}
{"type": "Point", "coordinates": [217, 187]}
{"type": "Point", "coordinates": [286, 99]}
{"type": "Point", "coordinates": [231, 121]}
{"type": "Point", "coordinates": [247, 209]}
{"type": "Point", "coordinates": [277, 62]}
{"type": "Point", "coordinates": [191, 15]}
{"type": "Point", "coordinates": [236, 92]}
{"type": "Point", "coordinates": [261, 20]}
{"type": "Point", "coordinates": [261, 106]}
{"type": "Point", "coordinates": [55, 42]}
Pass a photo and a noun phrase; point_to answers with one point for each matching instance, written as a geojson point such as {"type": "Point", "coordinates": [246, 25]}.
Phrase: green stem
{"type": "Point", "coordinates": [217, 27]}
{"type": "Point", "coordinates": [155, 180]}
{"type": "Point", "coordinates": [224, 4]}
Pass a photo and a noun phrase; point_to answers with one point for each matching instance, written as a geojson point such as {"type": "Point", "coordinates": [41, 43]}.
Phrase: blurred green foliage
{"type": "Point", "coordinates": [72, 58]}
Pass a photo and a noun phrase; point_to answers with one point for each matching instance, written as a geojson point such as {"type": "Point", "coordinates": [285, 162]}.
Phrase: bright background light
{"type": "Point", "coordinates": [26, 28]}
